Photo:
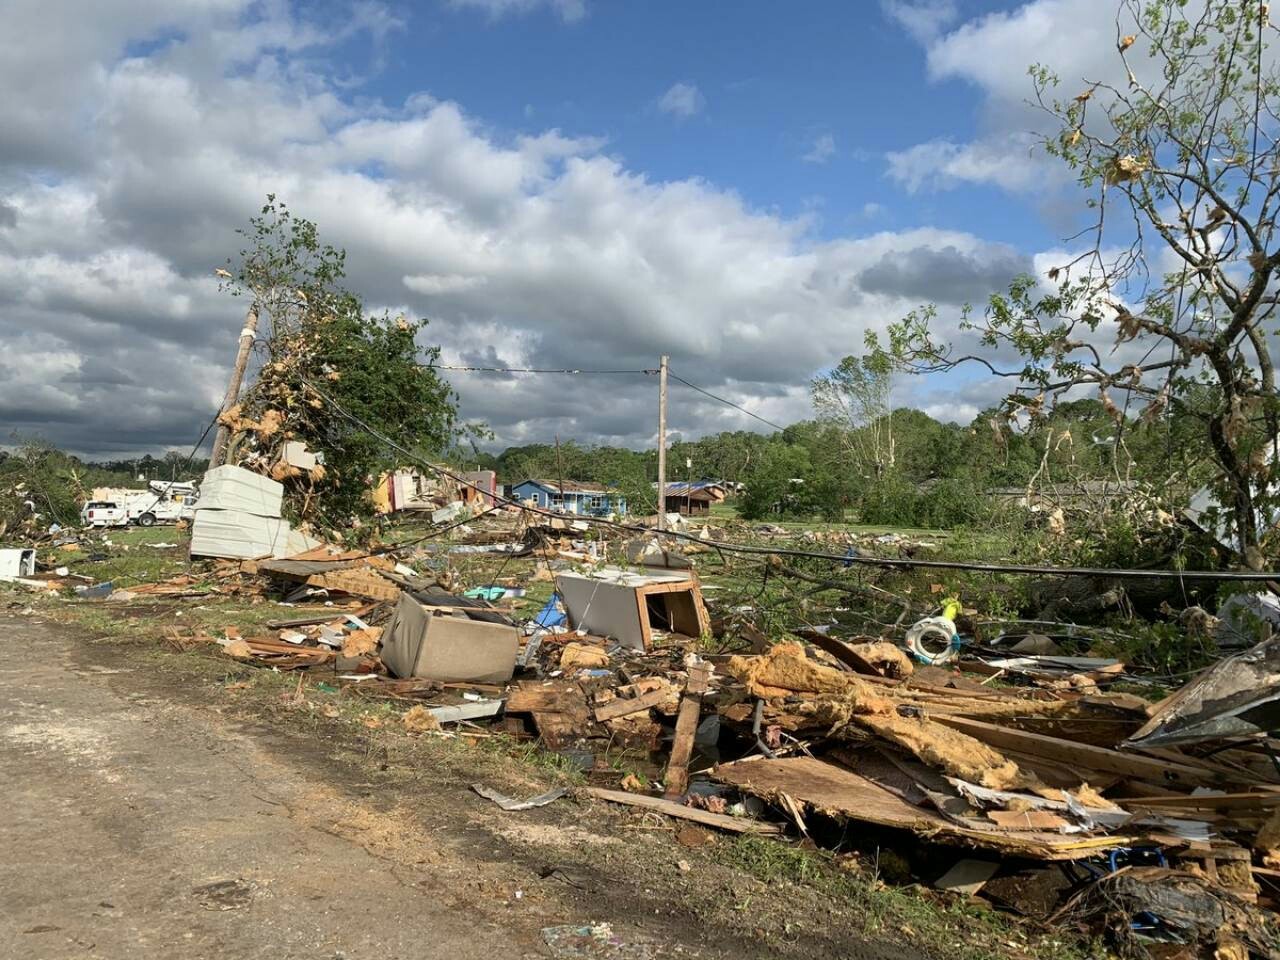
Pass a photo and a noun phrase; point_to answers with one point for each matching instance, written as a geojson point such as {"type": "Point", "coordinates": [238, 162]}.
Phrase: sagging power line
{"type": "Point", "coordinates": [841, 559]}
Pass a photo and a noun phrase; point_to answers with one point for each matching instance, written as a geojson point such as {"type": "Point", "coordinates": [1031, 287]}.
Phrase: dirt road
{"type": "Point", "coordinates": [144, 819]}
{"type": "Point", "coordinates": [138, 827]}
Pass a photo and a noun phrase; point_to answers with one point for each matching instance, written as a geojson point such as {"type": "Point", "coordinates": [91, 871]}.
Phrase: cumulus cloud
{"type": "Point", "coordinates": [682, 100]}
{"type": "Point", "coordinates": [1074, 38]}
{"type": "Point", "coordinates": [923, 19]}
{"type": "Point", "coordinates": [823, 149]}
{"type": "Point", "coordinates": [568, 10]}
{"type": "Point", "coordinates": [944, 274]}
{"type": "Point", "coordinates": [1008, 161]}
{"type": "Point", "coordinates": [527, 250]}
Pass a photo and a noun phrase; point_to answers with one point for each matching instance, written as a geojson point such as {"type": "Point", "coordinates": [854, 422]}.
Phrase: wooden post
{"type": "Point", "coordinates": [560, 471]}
{"type": "Point", "coordinates": [677, 778]}
{"type": "Point", "coordinates": [662, 443]}
{"type": "Point", "coordinates": [248, 333]}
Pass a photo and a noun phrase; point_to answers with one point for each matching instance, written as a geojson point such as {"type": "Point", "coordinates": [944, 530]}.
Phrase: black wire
{"type": "Point", "coordinates": [190, 456]}
{"type": "Point", "coordinates": [841, 559]}
{"type": "Point", "coordinates": [442, 366]}
{"type": "Point", "coordinates": [708, 393]}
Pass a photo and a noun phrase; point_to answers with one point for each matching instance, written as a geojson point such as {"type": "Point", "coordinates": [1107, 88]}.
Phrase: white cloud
{"type": "Point", "coordinates": [533, 250]}
{"type": "Point", "coordinates": [1075, 38]}
{"type": "Point", "coordinates": [923, 19]}
{"type": "Point", "coordinates": [569, 11]}
{"type": "Point", "coordinates": [682, 100]}
{"type": "Point", "coordinates": [823, 149]}
{"type": "Point", "coordinates": [1006, 161]}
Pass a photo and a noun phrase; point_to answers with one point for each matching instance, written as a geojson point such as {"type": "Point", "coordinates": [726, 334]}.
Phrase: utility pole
{"type": "Point", "coordinates": [662, 443]}
{"type": "Point", "coordinates": [248, 333]}
{"type": "Point", "coordinates": [560, 471]}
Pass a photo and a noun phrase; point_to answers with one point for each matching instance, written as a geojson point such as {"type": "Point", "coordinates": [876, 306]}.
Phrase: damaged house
{"type": "Point", "coordinates": [570, 496]}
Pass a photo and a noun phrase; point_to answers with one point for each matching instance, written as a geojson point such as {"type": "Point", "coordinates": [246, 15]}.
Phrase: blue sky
{"type": "Point", "coordinates": [749, 187]}
{"type": "Point", "coordinates": [772, 84]}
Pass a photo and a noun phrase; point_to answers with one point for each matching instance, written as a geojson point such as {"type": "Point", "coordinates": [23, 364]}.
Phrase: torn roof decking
{"type": "Point", "coordinates": [843, 794]}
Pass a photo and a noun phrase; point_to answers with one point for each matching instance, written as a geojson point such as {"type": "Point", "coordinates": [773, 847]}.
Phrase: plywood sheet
{"type": "Point", "coordinates": [844, 794]}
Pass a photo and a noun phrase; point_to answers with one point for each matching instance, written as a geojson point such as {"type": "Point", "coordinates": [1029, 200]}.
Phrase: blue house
{"type": "Point", "coordinates": [574, 496]}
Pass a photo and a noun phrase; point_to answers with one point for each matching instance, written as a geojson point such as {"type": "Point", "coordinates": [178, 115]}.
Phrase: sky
{"type": "Point", "coordinates": [746, 186]}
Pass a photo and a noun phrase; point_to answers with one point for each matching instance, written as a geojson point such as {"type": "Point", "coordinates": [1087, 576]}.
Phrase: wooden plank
{"type": "Point", "coordinates": [625, 706]}
{"type": "Point", "coordinates": [1083, 757]}
{"type": "Point", "coordinates": [677, 776]}
{"type": "Point", "coordinates": [360, 583]}
{"type": "Point", "coordinates": [679, 810]}
{"type": "Point", "coordinates": [840, 650]}
{"type": "Point", "coordinates": [559, 697]}
{"type": "Point", "coordinates": [326, 616]}
{"type": "Point", "coordinates": [1225, 801]}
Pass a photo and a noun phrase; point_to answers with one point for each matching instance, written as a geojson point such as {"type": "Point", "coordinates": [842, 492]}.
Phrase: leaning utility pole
{"type": "Point", "coordinates": [222, 438]}
{"type": "Point", "coordinates": [662, 443]}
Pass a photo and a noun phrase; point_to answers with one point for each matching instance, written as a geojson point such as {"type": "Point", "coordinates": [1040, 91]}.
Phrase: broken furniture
{"type": "Point", "coordinates": [17, 563]}
{"type": "Point", "coordinates": [435, 645]}
{"type": "Point", "coordinates": [628, 607]}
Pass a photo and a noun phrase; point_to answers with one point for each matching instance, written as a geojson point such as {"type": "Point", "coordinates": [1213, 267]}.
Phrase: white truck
{"type": "Point", "coordinates": [164, 502]}
{"type": "Point", "coordinates": [104, 513]}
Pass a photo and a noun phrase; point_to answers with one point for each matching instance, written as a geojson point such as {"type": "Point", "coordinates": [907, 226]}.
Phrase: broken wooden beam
{"type": "Point", "coordinates": [672, 809]}
{"type": "Point", "coordinates": [840, 650]}
{"type": "Point", "coordinates": [677, 776]}
{"type": "Point", "coordinates": [1083, 757]}
{"type": "Point", "coordinates": [626, 706]}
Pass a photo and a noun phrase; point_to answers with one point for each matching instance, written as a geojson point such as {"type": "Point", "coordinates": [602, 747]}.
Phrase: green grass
{"type": "Point", "coordinates": [945, 925]}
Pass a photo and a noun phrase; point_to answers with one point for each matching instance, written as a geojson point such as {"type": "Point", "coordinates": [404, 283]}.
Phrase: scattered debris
{"type": "Point", "coordinates": [511, 806]}
{"type": "Point", "coordinates": [423, 642]}
{"type": "Point", "coordinates": [592, 941]}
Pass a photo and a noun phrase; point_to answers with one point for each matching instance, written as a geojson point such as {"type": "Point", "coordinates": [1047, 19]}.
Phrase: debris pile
{"type": "Point", "coordinates": [1001, 769]}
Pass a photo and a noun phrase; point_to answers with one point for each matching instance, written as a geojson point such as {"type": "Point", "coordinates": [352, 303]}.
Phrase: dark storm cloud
{"type": "Point", "coordinates": [943, 275]}
{"type": "Point", "coordinates": [525, 251]}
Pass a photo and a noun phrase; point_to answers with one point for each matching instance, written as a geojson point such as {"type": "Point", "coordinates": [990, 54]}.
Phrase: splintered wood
{"type": "Point", "coordinates": [677, 778]}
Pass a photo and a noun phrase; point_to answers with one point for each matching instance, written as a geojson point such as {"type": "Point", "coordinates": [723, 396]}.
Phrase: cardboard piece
{"type": "Point", "coordinates": [296, 454]}
{"type": "Point", "coordinates": [451, 649]}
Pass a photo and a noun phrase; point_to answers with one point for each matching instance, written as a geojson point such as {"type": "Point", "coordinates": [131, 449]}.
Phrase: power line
{"type": "Point", "coordinates": [568, 370]}
{"type": "Point", "coordinates": [843, 560]}
{"type": "Point", "coordinates": [694, 386]}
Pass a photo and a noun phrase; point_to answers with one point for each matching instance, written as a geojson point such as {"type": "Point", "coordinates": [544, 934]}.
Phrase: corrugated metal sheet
{"type": "Point", "coordinates": [241, 535]}
{"type": "Point", "coordinates": [235, 488]}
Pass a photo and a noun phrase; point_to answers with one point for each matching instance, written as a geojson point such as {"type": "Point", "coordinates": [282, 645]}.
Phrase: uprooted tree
{"type": "Point", "coordinates": [356, 388]}
{"type": "Point", "coordinates": [1167, 304]}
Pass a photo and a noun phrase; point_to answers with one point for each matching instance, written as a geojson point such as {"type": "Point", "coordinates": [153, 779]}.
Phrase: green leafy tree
{"type": "Point", "coordinates": [777, 485]}
{"type": "Point", "coordinates": [1181, 163]}
{"type": "Point", "coordinates": [854, 396]}
{"type": "Point", "coordinates": [330, 375]}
